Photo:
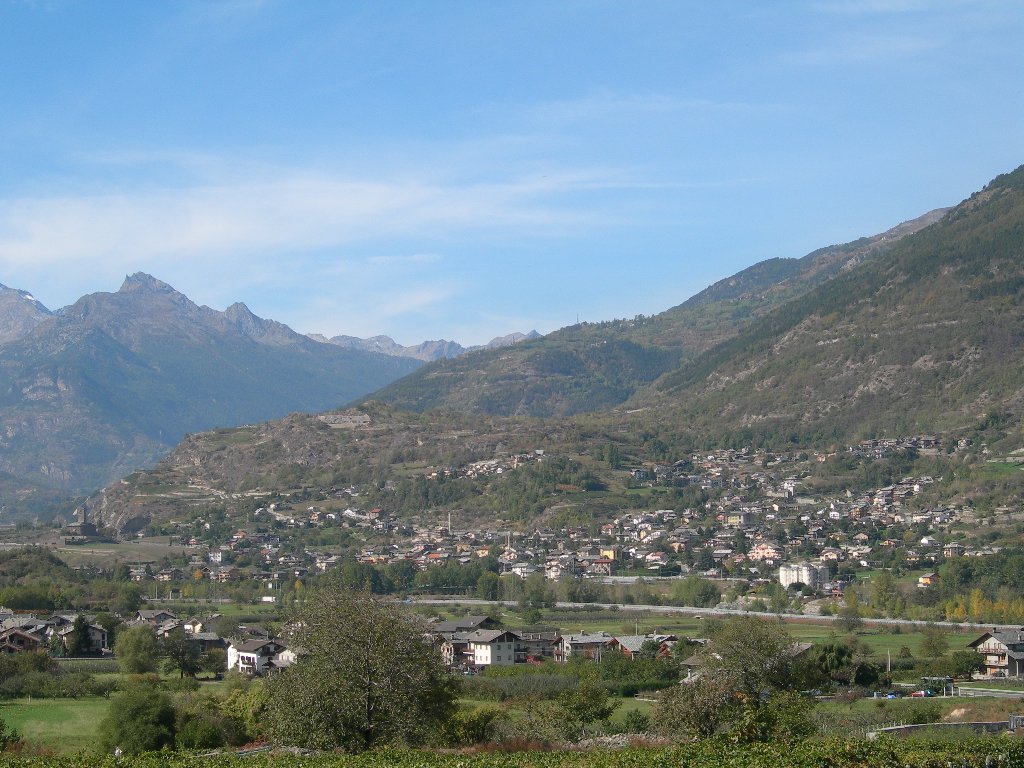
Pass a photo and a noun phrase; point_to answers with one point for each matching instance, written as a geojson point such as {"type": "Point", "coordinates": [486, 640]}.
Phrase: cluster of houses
{"type": "Point", "coordinates": [256, 652]}
{"type": "Point", "coordinates": [759, 524]}
{"type": "Point", "coordinates": [467, 645]}
{"type": "Point", "coordinates": [472, 643]}
{"type": "Point", "coordinates": [23, 632]}
{"type": "Point", "coordinates": [884, 447]}
{"type": "Point", "coordinates": [496, 466]}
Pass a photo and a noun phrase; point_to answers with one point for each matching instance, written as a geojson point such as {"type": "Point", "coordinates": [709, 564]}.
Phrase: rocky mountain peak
{"type": "Point", "coordinates": [140, 282]}
{"type": "Point", "coordinates": [20, 312]}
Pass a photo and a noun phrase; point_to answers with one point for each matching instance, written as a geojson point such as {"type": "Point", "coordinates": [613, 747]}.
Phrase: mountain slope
{"type": "Point", "coordinates": [594, 366]}
{"type": "Point", "coordinates": [928, 337]}
{"type": "Point", "coordinates": [925, 335]}
{"type": "Point", "coordinates": [19, 314]}
{"type": "Point", "coordinates": [110, 383]}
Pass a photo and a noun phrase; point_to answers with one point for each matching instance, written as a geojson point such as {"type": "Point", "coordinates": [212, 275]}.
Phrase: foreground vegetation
{"type": "Point", "coordinates": [968, 753]}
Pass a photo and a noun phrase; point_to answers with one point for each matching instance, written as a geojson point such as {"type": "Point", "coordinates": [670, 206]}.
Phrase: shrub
{"type": "Point", "coordinates": [8, 738]}
{"type": "Point", "coordinates": [141, 719]}
{"type": "Point", "coordinates": [636, 721]}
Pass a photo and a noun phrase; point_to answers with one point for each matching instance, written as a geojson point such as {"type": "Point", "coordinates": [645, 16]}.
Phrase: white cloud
{"type": "Point", "coordinates": [291, 213]}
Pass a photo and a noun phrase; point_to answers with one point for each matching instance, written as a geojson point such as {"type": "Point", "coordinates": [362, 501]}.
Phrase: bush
{"type": "Point", "coordinates": [181, 685]}
{"type": "Point", "coordinates": [476, 726]}
{"type": "Point", "coordinates": [636, 721]}
{"type": "Point", "coordinates": [8, 738]}
{"type": "Point", "coordinates": [201, 723]}
{"type": "Point", "coordinates": [141, 719]}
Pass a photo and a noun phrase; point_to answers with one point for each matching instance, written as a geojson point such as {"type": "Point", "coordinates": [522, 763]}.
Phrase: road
{"type": "Point", "coordinates": [674, 610]}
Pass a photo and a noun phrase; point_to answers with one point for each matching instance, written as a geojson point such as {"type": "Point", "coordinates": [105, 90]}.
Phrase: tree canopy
{"type": "Point", "coordinates": [136, 649]}
{"type": "Point", "coordinates": [365, 677]}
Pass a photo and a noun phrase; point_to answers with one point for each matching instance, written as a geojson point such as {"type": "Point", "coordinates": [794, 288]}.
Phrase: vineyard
{"type": "Point", "coordinates": [974, 753]}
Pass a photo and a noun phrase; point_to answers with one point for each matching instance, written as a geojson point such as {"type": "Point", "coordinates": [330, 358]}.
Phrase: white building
{"type": "Point", "coordinates": [812, 575]}
{"type": "Point", "coordinates": [492, 646]}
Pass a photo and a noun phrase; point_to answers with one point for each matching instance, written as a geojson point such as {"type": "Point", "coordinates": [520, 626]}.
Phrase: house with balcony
{"type": "Point", "coordinates": [258, 656]}
{"type": "Point", "coordinates": [487, 647]}
{"type": "Point", "coordinates": [1002, 653]}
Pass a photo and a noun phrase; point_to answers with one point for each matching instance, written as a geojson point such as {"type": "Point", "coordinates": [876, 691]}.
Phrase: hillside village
{"type": "Point", "coordinates": [760, 524]}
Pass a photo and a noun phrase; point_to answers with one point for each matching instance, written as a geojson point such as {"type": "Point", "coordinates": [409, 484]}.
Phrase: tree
{"type": "Point", "coordinates": [849, 618]}
{"type": "Point", "coordinates": [139, 720]}
{"type": "Point", "coordinates": [488, 586]}
{"type": "Point", "coordinates": [753, 654]}
{"type": "Point", "coordinates": [784, 717]}
{"type": "Point", "coordinates": [581, 706]}
{"type": "Point", "coordinates": [111, 624]}
{"type": "Point", "coordinates": [181, 654]}
{"type": "Point", "coordinates": [78, 642]}
{"type": "Point", "coordinates": [365, 677]}
{"type": "Point", "coordinates": [934, 643]}
{"type": "Point", "coordinates": [965, 663]}
{"type": "Point", "coordinates": [834, 662]}
{"type": "Point", "coordinates": [136, 649]}
{"type": "Point", "coordinates": [748, 664]}
{"type": "Point", "coordinates": [214, 661]}
{"type": "Point", "coordinates": [696, 709]}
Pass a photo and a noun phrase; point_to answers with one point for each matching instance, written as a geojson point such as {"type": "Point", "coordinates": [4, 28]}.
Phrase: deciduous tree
{"type": "Point", "coordinates": [136, 649]}
{"type": "Point", "coordinates": [365, 677]}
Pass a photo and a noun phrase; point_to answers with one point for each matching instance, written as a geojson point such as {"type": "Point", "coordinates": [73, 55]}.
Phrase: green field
{"type": "Point", "coordinates": [999, 685]}
{"type": "Point", "coordinates": [626, 621]}
{"type": "Point", "coordinates": [61, 725]}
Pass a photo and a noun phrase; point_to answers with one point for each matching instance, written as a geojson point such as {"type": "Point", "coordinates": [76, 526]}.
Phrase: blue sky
{"type": "Point", "coordinates": [465, 169]}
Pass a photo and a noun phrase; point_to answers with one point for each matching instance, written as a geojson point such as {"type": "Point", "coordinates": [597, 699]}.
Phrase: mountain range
{"type": "Point", "coordinates": [95, 390]}
{"type": "Point", "coordinates": [916, 330]}
{"type": "Point", "coordinates": [426, 351]}
{"type": "Point", "coordinates": [595, 366]}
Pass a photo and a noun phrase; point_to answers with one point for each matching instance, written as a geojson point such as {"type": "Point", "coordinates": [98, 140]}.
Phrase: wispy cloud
{"type": "Point", "coordinates": [867, 48]}
{"type": "Point", "coordinates": [885, 7]}
{"type": "Point", "coordinates": [294, 212]}
{"type": "Point", "coordinates": [608, 105]}
{"type": "Point", "coordinates": [413, 258]}
{"type": "Point", "coordinates": [361, 308]}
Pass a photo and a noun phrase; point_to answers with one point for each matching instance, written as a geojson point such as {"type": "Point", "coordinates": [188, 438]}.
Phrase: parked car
{"type": "Point", "coordinates": [923, 693]}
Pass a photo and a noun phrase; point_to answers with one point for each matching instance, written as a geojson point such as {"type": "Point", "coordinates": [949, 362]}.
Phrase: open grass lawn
{"type": "Point", "coordinates": [103, 553]}
{"type": "Point", "coordinates": [954, 708]}
{"type": "Point", "coordinates": [628, 705]}
{"type": "Point", "coordinates": [879, 639]}
{"type": "Point", "coordinates": [63, 725]}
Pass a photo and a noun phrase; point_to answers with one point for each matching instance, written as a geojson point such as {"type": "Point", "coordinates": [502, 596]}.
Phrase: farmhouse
{"type": "Point", "coordinates": [1003, 653]}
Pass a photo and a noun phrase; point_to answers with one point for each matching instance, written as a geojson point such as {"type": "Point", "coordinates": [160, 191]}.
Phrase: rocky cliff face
{"type": "Point", "coordinates": [19, 314]}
